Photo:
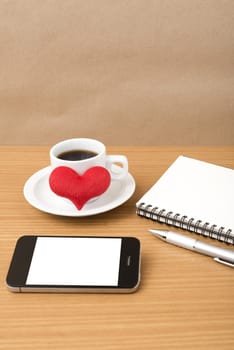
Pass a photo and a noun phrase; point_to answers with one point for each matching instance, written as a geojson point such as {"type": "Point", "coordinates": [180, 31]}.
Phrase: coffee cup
{"type": "Point", "coordinates": [81, 154]}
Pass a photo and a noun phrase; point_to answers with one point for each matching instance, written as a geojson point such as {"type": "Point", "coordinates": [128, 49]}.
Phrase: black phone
{"type": "Point", "coordinates": [75, 264]}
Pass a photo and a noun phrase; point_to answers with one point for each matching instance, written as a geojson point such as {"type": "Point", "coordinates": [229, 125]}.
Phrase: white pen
{"type": "Point", "coordinates": [221, 255]}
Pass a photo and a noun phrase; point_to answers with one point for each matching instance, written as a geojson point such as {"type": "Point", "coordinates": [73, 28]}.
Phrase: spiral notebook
{"type": "Point", "coordinates": [193, 195]}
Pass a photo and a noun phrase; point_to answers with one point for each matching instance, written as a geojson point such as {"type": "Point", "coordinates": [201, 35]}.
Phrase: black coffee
{"type": "Point", "coordinates": [77, 154]}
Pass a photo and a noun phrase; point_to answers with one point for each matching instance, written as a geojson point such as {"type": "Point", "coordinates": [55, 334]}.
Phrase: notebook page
{"type": "Point", "coordinates": [196, 189]}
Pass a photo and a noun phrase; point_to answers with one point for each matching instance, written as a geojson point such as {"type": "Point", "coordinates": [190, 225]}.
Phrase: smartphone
{"type": "Point", "coordinates": [73, 264]}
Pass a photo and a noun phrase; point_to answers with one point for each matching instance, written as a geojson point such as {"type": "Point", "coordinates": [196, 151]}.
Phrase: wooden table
{"type": "Point", "coordinates": [186, 300]}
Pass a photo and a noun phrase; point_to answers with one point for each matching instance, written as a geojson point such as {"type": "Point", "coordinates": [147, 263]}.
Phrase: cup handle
{"type": "Point", "coordinates": [117, 172]}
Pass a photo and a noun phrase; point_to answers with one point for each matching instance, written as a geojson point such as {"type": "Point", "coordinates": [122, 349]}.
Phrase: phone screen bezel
{"type": "Point", "coordinates": [23, 253]}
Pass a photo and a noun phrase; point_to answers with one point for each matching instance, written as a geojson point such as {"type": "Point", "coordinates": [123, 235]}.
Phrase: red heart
{"type": "Point", "coordinates": [67, 183]}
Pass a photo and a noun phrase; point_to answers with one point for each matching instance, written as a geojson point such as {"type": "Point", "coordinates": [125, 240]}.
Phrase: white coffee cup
{"type": "Point", "coordinates": [99, 157]}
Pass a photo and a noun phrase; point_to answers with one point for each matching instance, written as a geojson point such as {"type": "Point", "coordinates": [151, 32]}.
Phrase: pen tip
{"type": "Point", "coordinates": [159, 233]}
{"type": "Point", "coordinates": [151, 230]}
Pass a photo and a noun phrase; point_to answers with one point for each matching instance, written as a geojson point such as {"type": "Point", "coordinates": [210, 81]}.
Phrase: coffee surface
{"type": "Point", "coordinates": [77, 154]}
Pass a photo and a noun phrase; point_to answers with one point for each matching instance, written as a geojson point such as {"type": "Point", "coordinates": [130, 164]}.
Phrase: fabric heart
{"type": "Point", "coordinates": [79, 189]}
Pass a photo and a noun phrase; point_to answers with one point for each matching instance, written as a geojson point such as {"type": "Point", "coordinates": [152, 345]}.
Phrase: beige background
{"type": "Point", "coordinates": [127, 72]}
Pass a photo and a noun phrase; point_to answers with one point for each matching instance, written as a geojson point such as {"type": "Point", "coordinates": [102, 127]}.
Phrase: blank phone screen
{"type": "Point", "coordinates": [75, 261]}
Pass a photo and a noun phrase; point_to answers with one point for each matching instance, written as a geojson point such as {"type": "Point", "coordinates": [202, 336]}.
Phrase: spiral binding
{"type": "Point", "coordinates": [191, 224]}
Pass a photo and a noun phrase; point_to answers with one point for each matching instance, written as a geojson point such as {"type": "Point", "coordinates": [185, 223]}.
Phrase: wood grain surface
{"type": "Point", "coordinates": [185, 300]}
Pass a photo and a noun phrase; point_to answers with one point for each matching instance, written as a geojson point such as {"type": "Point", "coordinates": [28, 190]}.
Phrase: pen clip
{"type": "Point", "coordinates": [221, 261]}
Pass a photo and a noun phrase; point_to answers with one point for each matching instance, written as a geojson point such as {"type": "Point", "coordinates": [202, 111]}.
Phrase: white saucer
{"type": "Point", "coordinates": [38, 193]}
